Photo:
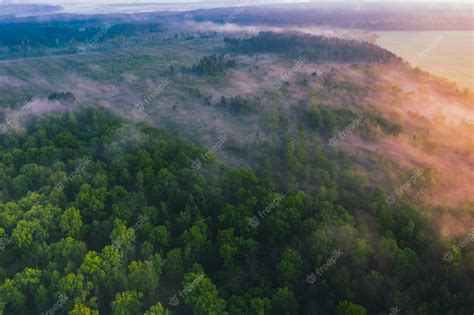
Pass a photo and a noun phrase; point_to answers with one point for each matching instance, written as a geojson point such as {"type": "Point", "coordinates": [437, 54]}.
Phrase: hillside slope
{"type": "Point", "coordinates": [196, 174]}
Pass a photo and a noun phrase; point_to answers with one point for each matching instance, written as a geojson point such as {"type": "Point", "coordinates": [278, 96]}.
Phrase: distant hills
{"type": "Point", "coordinates": [10, 9]}
{"type": "Point", "coordinates": [368, 16]}
{"type": "Point", "coordinates": [356, 15]}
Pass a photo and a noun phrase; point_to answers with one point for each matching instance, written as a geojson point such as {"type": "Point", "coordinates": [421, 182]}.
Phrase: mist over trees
{"type": "Point", "coordinates": [93, 223]}
{"type": "Point", "coordinates": [315, 48]}
{"type": "Point", "coordinates": [313, 199]}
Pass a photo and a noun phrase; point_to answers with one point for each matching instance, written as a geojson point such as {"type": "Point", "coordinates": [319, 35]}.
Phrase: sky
{"type": "Point", "coordinates": [65, 2]}
{"type": "Point", "coordinates": [134, 6]}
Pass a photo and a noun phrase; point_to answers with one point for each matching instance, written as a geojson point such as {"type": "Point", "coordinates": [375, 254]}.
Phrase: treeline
{"type": "Point", "coordinates": [20, 36]}
{"type": "Point", "coordinates": [314, 48]}
{"type": "Point", "coordinates": [240, 104]}
{"type": "Point", "coordinates": [62, 96]}
{"type": "Point", "coordinates": [213, 65]}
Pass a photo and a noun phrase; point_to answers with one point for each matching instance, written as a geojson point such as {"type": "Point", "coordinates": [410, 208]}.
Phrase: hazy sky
{"type": "Point", "coordinates": [65, 2]}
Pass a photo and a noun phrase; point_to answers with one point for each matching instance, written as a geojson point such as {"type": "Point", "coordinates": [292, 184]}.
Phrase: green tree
{"type": "Point", "coordinates": [196, 239]}
{"type": "Point", "coordinates": [406, 263]}
{"type": "Point", "coordinates": [284, 302]}
{"type": "Point", "coordinates": [288, 269]}
{"type": "Point", "coordinates": [75, 288]}
{"type": "Point", "coordinates": [160, 236]}
{"type": "Point", "coordinates": [157, 309]}
{"type": "Point", "coordinates": [145, 276]}
{"type": "Point", "coordinates": [27, 233]}
{"type": "Point", "coordinates": [260, 306]}
{"type": "Point", "coordinates": [71, 222]}
{"type": "Point", "coordinates": [316, 118]}
{"type": "Point", "coordinates": [127, 303]}
{"type": "Point", "coordinates": [67, 253]}
{"type": "Point", "coordinates": [174, 265]}
{"type": "Point", "coordinates": [81, 309]}
{"type": "Point", "coordinates": [348, 308]}
{"type": "Point", "coordinates": [202, 295]}
{"type": "Point", "coordinates": [12, 297]}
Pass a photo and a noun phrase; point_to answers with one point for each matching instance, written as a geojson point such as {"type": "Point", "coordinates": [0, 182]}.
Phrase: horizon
{"type": "Point", "coordinates": [59, 2]}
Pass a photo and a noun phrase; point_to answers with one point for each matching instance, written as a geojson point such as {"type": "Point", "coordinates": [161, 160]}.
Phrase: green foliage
{"type": "Point", "coordinates": [284, 302]}
{"type": "Point", "coordinates": [157, 310]}
{"type": "Point", "coordinates": [137, 222]}
{"type": "Point", "coordinates": [31, 38]}
{"type": "Point", "coordinates": [202, 295]}
{"type": "Point", "coordinates": [127, 303]}
{"type": "Point", "coordinates": [289, 267]}
{"type": "Point", "coordinates": [348, 308]}
{"type": "Point", "coordinates": [241, 105]}
{"type": "Point", "coordinates": [62, 96]}
{"type": "Point", "coordinates": [80, 309]}
{"type": "Point", "coordinates": [213, 65]}
{"type": "Point", "coordinates": [315, 48]}
{"type": "Point", "coordinates": [71, 222]}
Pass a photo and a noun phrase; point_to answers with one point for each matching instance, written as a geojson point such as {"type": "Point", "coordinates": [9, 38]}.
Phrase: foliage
{"type": "Point", "coordinates": [315, 48]}
{"type": "Point", "coordinates": [213, 65]}
{"type": "Point", "coordinates": [137, 222]}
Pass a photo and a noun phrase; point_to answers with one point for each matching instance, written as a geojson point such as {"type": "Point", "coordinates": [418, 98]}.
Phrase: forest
{"type": "Point", "coordinates": [315, 48]}
{"type": "Point", "coordinates": [29, 38]}
{"type": "Point", "coordinates": [213, 65]}
{"type": "Point", "coordinates": [231, 162]}
{"type": "Point", "coordinates": [92, 222]}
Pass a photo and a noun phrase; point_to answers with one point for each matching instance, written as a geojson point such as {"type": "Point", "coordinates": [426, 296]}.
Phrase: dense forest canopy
{"type": "Point", "coordinates": [213, 65]}
{"type": "Point", "coordinates": [93, 222]}
{"type": "Point", "coordinates": [56, 33]}
{"type": "Point", "coordinates": [26, 38]}
{"type": "Point", "coordinates": [315, 48]}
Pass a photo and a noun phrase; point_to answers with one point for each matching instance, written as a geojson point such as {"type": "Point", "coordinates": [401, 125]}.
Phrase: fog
{"type": "Point", "coordinates": [255, 29]}
{"type": "Point", "coordinates": [140, 6]}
